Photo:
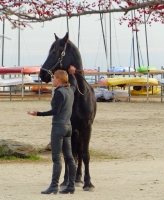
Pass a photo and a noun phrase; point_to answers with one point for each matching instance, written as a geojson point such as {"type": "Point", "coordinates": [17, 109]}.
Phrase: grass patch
{"type": "Point", "coordinates": [45, 156]}
{"type": "Point", "coordinates": [25, 159]}
{"type": "Point", "coordinates": [99, 155]}
{"type": "Point", "coordinates": [40, 149]}
{"type": "Point", "coordinates": [33, 157]}
{"type": "Point", "coordinates": [8, 158]}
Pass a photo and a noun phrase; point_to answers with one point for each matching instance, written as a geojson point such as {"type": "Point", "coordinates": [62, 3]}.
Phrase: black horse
{"type": "Point", "coordinates": [62, 54]}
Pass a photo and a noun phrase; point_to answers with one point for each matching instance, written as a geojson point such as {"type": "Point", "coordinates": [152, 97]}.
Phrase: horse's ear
{"type": "Point", "coordinates": [56, 37]}
{"type": "Point", "coordinates": [66, 37]}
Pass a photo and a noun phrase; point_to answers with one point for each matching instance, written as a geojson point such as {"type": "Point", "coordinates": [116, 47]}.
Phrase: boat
{"type": "Point", "coordinates": [8, 83]}
{"type": "Point", "coordinates": [145, 68]}
{"type": "Point", "coordinates": [121, 69]}
{"type": "Point", "coordinates": [42, 89]}
{"type": "Point", "coordinates": [20, 70]}
{"type": "Point", "coordinates": [90, 71]}
{"type": "Point", "coordinates": [24, 72]}
{"type": "Point", "coordinates": [10, 70]}
{"type": "Point", "coordinates": [128, 80]}
{"type": "Point", "coordinates": [31, 70]}
{"type": "Point", "coordinates": [16, 81]}
{"type": "Point", "coordinates": [102, 81]}
{"type": "Point", "coordinates": [143, 91]}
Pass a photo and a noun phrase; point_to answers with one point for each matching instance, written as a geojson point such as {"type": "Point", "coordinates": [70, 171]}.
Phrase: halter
{"type": "Point", "coordinates": [58, 62]}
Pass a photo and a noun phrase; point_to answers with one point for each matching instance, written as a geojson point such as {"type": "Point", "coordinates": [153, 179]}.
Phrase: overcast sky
{"type": "Point", "coordinates": [35, 42]}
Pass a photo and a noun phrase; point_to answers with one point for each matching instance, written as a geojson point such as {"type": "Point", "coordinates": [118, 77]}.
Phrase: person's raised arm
{"type": "Point", "coordinates": [72, 80]}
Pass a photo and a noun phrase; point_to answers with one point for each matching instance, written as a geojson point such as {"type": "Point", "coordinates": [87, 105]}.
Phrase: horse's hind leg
{"type": "Point", "coordinates": [77, 154]}
{"type": "Point", "coordinates": [88, 186]}
{"type": "Point", "coordinates": [78, 180]}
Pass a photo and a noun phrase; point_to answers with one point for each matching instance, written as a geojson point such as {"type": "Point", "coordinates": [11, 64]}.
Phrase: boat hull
{"type": "Point", "coordinates": [144, 91]}
{"type": "Point", "coordinates": [129, 80]}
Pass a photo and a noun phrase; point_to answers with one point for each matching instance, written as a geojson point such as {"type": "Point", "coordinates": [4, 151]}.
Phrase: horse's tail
{"type": "Point", "coordinates": [75, 142]}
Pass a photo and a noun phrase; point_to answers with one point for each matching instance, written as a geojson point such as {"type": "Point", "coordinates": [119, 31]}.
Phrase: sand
{"type": "Point", "coordinates": [127, 137]}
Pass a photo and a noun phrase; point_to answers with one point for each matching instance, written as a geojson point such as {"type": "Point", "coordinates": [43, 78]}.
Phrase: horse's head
{"type": "Point", "coordinates": [59, 58]}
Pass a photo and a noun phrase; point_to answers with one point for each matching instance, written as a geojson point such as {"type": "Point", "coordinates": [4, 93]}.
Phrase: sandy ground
{"type": "Point", "coordinates": [130, 132]}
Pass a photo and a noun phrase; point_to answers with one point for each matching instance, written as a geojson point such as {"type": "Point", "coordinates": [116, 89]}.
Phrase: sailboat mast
{"type": "Point", "coordinates": [104, 39]}
{"type": "Point", "coordinates": [67, 21]}
{"type": "Point", "coordinates": [103, 34]}
{"type": "Point", "coordinates": [3, 37]}
{"type": "Point", "coordinates": [67, 25]}
{"type": "Point", "coordinates": [19, 39]}
{"type": "Point", "coordinates": [79, 33]}
{"type": "Point", "coordinates": [106, 43]}
{"type": "Point", "coordinates": [18, 46]}
{"type": "Point", "coordinates": [110, 33]}
{"type": "Point", "coordinates": [146, 41]}
{"type": "Point", "coordinates": [134, 60]}
{"type": "Point", "coordinates": [137, 43]}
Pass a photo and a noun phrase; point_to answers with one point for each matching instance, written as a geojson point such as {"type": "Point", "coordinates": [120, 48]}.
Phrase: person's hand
{"type": "Point", "coordinates": [34, 113]}
{"type": "Point", "coordinates": [72, 69]}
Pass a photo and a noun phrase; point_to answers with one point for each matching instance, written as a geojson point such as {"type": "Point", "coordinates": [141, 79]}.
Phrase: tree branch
{"type": "Point", "coordinates": [39, 11]}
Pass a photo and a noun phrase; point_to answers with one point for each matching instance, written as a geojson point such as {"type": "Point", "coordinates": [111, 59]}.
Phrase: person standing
{"type": "Point", "coordinates": [61, 110]}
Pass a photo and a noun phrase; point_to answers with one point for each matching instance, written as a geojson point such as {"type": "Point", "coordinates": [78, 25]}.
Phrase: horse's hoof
{"type": "Point", "coordinates": [78, 183]}
{"type": "Point", "coordinates": [63, 185]}
{"type": "Point", "coordinates": [89, 187]}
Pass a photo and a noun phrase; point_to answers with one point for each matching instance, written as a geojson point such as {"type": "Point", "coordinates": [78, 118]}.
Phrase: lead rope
{"type": "Point", "coordinates": [77, 84]}
{"type": "Point", "coordinates": [78, 72]}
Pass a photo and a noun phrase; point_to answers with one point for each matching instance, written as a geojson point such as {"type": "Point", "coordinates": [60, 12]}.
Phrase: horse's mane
{"type": "Point", "coordinates": [77, 61]}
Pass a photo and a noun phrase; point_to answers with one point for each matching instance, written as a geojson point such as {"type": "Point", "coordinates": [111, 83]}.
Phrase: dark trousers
{"type": "Point", "coordinates": [61, 142]}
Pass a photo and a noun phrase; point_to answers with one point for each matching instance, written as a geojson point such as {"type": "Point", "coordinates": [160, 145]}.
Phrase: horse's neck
{"type": "Point", "coordinates": [76, 58]}
{"type": "Point", "coordinates": [79, 66]}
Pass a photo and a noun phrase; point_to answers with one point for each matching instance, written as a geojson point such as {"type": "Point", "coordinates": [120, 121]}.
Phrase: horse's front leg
{"type": "Point", "coordinates": [77, 154]}
{"type": "Point", "coordinates": [88, 186]}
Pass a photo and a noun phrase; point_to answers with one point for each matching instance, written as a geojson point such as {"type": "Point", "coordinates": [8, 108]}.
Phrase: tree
{"type": "Point", "coordinates": [23, 12]}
